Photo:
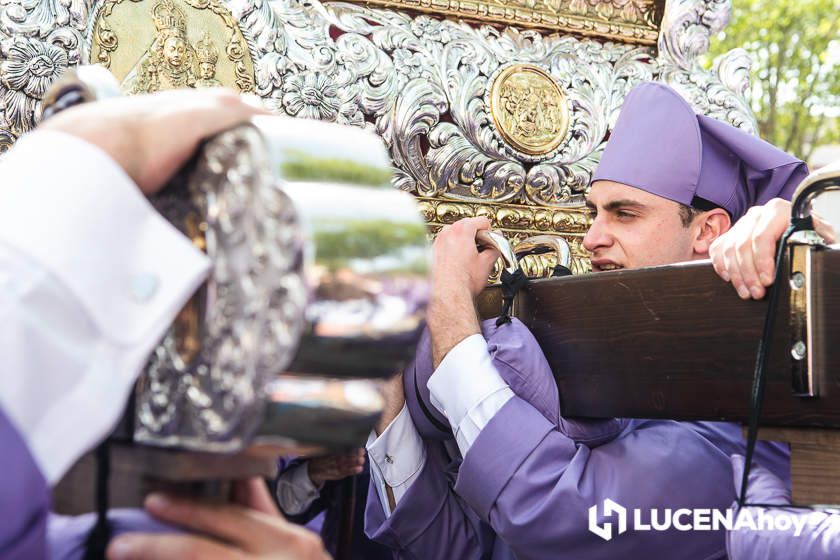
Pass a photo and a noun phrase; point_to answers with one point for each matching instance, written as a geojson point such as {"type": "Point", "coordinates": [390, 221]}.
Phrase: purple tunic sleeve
{"type": "Point", "coordinates": [24, 499]}
{"type": "Point", "coordinates": [813, 535]}
{"type": "Point", "coordinates": [430, 521]}
{"type": "Point", "coordinates": [819, 539]}
{"type": "Point", "coordinates": [27, 530]}
{"type": "Point", "coordinates": [535, 486]}
{"type": "Point", "coordinates": [67, 534]}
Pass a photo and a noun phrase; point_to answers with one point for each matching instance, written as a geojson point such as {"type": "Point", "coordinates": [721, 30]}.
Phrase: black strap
{"type": "Point", "coordinates": [98, 538]}
{"type": "Point", "coordinates": [426, 412]}
{"type": "Point", "coordinates": [559, 270]}
{"type": "Point", "coordinates": [511, 284]}
{"type": "Point", "coordinates": [344, 546]}
{"type": "Point", "coordinates": [759, 375]}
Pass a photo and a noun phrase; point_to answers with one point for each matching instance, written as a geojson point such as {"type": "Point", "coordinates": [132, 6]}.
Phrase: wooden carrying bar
{"type": "Point", "coordinates": [677, 342]}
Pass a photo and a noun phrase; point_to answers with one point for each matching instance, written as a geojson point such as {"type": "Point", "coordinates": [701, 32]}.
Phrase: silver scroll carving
{"type": "Point", "coordinates": [418, 81]}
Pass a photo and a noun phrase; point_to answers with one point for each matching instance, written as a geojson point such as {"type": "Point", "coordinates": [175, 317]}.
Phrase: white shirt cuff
{"type": "Point", "coordinates": [467, 388]}
{"type": "Point", "coordinates": [295, 491]}
{"type": "Point", "coordinates": [396, 457]}
{"type": "Point", "coordinates": [108, 275]}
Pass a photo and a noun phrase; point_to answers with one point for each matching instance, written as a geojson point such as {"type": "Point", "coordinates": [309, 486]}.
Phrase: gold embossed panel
{"type": "Point", "coordinates": [529, 109]}
{"type": "Point", "coordinates": [634, 21]}
{"type": "Point", "coordinates": [155, 45]}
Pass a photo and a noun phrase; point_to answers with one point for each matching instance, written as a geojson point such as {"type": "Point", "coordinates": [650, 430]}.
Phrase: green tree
{"type": "Point", "coordinates": [795, 87]}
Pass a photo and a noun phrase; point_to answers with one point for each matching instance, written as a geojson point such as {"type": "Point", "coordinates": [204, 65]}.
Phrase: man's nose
{"type": "Point", "coordinates": [598, 236]}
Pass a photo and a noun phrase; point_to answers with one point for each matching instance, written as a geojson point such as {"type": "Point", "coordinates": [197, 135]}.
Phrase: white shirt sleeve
{"type": "Point", "coordinates": [396, 458]}
{"type": "Point", "coordinates": [468, 390]}
{"type": "Point", "coordinates": [295, 491]}
{"type": "Point", "coordinates": [91, 276]}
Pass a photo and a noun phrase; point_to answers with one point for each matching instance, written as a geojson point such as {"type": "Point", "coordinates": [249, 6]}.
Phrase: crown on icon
{"type": "Point", "coordinates": [206, 49]}
{"type": "Point", "coordinates": [169, 16]}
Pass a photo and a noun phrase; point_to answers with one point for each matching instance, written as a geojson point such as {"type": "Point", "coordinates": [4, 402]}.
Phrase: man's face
{"type": "Point", "coordinates": [632, 228]}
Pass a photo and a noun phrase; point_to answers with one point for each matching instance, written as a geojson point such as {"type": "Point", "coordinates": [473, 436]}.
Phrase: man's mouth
{"type": "Point", "coordinates": [605, 266]}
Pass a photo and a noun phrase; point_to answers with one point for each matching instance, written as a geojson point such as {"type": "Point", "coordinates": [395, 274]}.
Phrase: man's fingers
{"type": "Point", "coordinates": [730, 264]}
{"type": "Point", "coordinates": [722, 250]}
{"type": "Point", "coordinates": [716, 251]}
{"type": "Point", "coordinates": [486, 260]}
{"type": "Point", "coordinates": [238, 525]}
{"type": "Point", "coordinates": [222, 109]}
{"type": "Point", "coordinates": [253, 493]}
{"type": "Point", "coordinates": [769, 227]}
{"type": "Point", "coordinates": [824, 228]}
{"type": "Point", "coordinates": [336, 467]}
{"type": "Point", "coordinates": [716, 254]}
{"type": "Point", "coordinates": [350, 465]}
{"type": "Point", "coordinates": [140, 546]}
{"type": "Point", "coordinates": [203, 113]}
{"type": "Point", "coordinates": [746, 266]}
{"type": "Point", "coordinates": [473, 224]}
{"type": "Point", "coordinates": [151, 136]}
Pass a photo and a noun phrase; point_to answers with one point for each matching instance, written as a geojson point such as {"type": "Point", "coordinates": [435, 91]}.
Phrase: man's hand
{"type": "Point", "coordinates": [151, 136]}
{"type": "Point", "coordinates": [745, 255]}
{"type": "Point", "coordinates": [457, 261]}
{"type": "Point", "coordinates": [394, 394]}
{"type": "Point", "coordinates": [459, 273]}
{"type": "Point", "coordinates": [335, 467]}
{"type": "Point", "coordinates": [252, 530]}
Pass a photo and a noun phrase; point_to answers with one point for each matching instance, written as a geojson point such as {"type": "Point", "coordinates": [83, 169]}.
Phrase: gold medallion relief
{"type": "Point", "coordinates": [529, 109]}
{"type": "Point", "coordinates": [156, 45]}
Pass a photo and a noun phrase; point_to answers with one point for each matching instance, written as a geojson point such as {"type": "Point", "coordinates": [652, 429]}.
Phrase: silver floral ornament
{"type": "Point", "coordinates": [28, 69]}
{"type": "Point", "coordinates": [311, 96]}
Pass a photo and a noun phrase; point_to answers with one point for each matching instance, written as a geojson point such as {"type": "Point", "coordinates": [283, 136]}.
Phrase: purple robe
{"type": "Point", "coordinates": [533, 486]}
{"type": "Point", "coordinates": [330, 504]}
{"type": "Point", "coordinates": [66, 535]}
{"type": "Point", "coordinates": [525, 371]}
{"type": "Point", "coordinates": [24, 499]}
{"type": "Point", "coordinates": [820, 539]}
{"type": "Point", "coordinates": [528, 481]}
{"type": "Point", "coordinates": [431, 521]}
{"type": "Point", "coordinates": [27, 530]}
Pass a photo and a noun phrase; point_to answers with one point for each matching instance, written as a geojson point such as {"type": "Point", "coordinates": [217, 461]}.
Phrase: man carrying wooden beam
{"type": "Point", "coordinates": [669, 184]}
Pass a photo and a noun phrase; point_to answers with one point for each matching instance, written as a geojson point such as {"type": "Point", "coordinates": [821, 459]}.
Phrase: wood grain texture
{"type": "Point", "coordinates": [814, 473]}
{"type": "Point", "coordinates": [677, 342]}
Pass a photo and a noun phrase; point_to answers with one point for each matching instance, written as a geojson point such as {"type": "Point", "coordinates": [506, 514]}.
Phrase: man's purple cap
{"type": "Point", "coordinates": [660, 145]}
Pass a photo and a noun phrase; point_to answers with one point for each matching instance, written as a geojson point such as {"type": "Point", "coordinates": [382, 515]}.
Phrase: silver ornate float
{"type": "Point", "coordinates": [421, 83]}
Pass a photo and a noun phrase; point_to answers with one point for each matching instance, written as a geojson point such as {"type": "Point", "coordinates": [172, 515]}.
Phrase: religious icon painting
{"type": "Point", "coordinates": [157, 45]}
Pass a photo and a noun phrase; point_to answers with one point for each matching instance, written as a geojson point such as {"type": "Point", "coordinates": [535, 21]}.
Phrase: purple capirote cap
{"type": "Point", "coordinates": [520, 361]}
{"type": "Point", "coordinates": [660, 145]}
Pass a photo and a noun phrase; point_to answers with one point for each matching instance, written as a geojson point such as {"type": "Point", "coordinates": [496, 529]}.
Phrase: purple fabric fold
{"type": "Point", "coordinates": [819, 538]}
{"type": "Point", "coordinates": [24, 498]}
{"type": "Point", "coordinates": [520, 361]}
{"type": "Point", "coordinates": [67, 534]}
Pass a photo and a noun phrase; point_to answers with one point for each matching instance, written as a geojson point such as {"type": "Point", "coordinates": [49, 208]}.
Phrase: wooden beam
{"type": "Point", "coordinates": [677, 342]}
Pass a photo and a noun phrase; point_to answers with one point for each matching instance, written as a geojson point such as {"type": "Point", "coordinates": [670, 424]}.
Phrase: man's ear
{"type": "Point", "coordinates": [710, 225]}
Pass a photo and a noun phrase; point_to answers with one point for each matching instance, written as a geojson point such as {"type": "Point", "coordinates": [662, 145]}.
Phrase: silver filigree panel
{"type": "Point", "coordinates": [418, 81]}
{"type": "Point", "coordinates": [247, 319]}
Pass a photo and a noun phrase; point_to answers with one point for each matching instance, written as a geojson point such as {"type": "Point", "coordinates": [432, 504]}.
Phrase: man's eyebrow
{"type": "Point", "coordinates": [622, 203]}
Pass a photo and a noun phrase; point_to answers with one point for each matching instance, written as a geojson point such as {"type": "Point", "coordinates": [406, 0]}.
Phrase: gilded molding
{"type": "Point", "coordinates": [633, 21]}
{"type": "Point", "coordinates": [518, 222]}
